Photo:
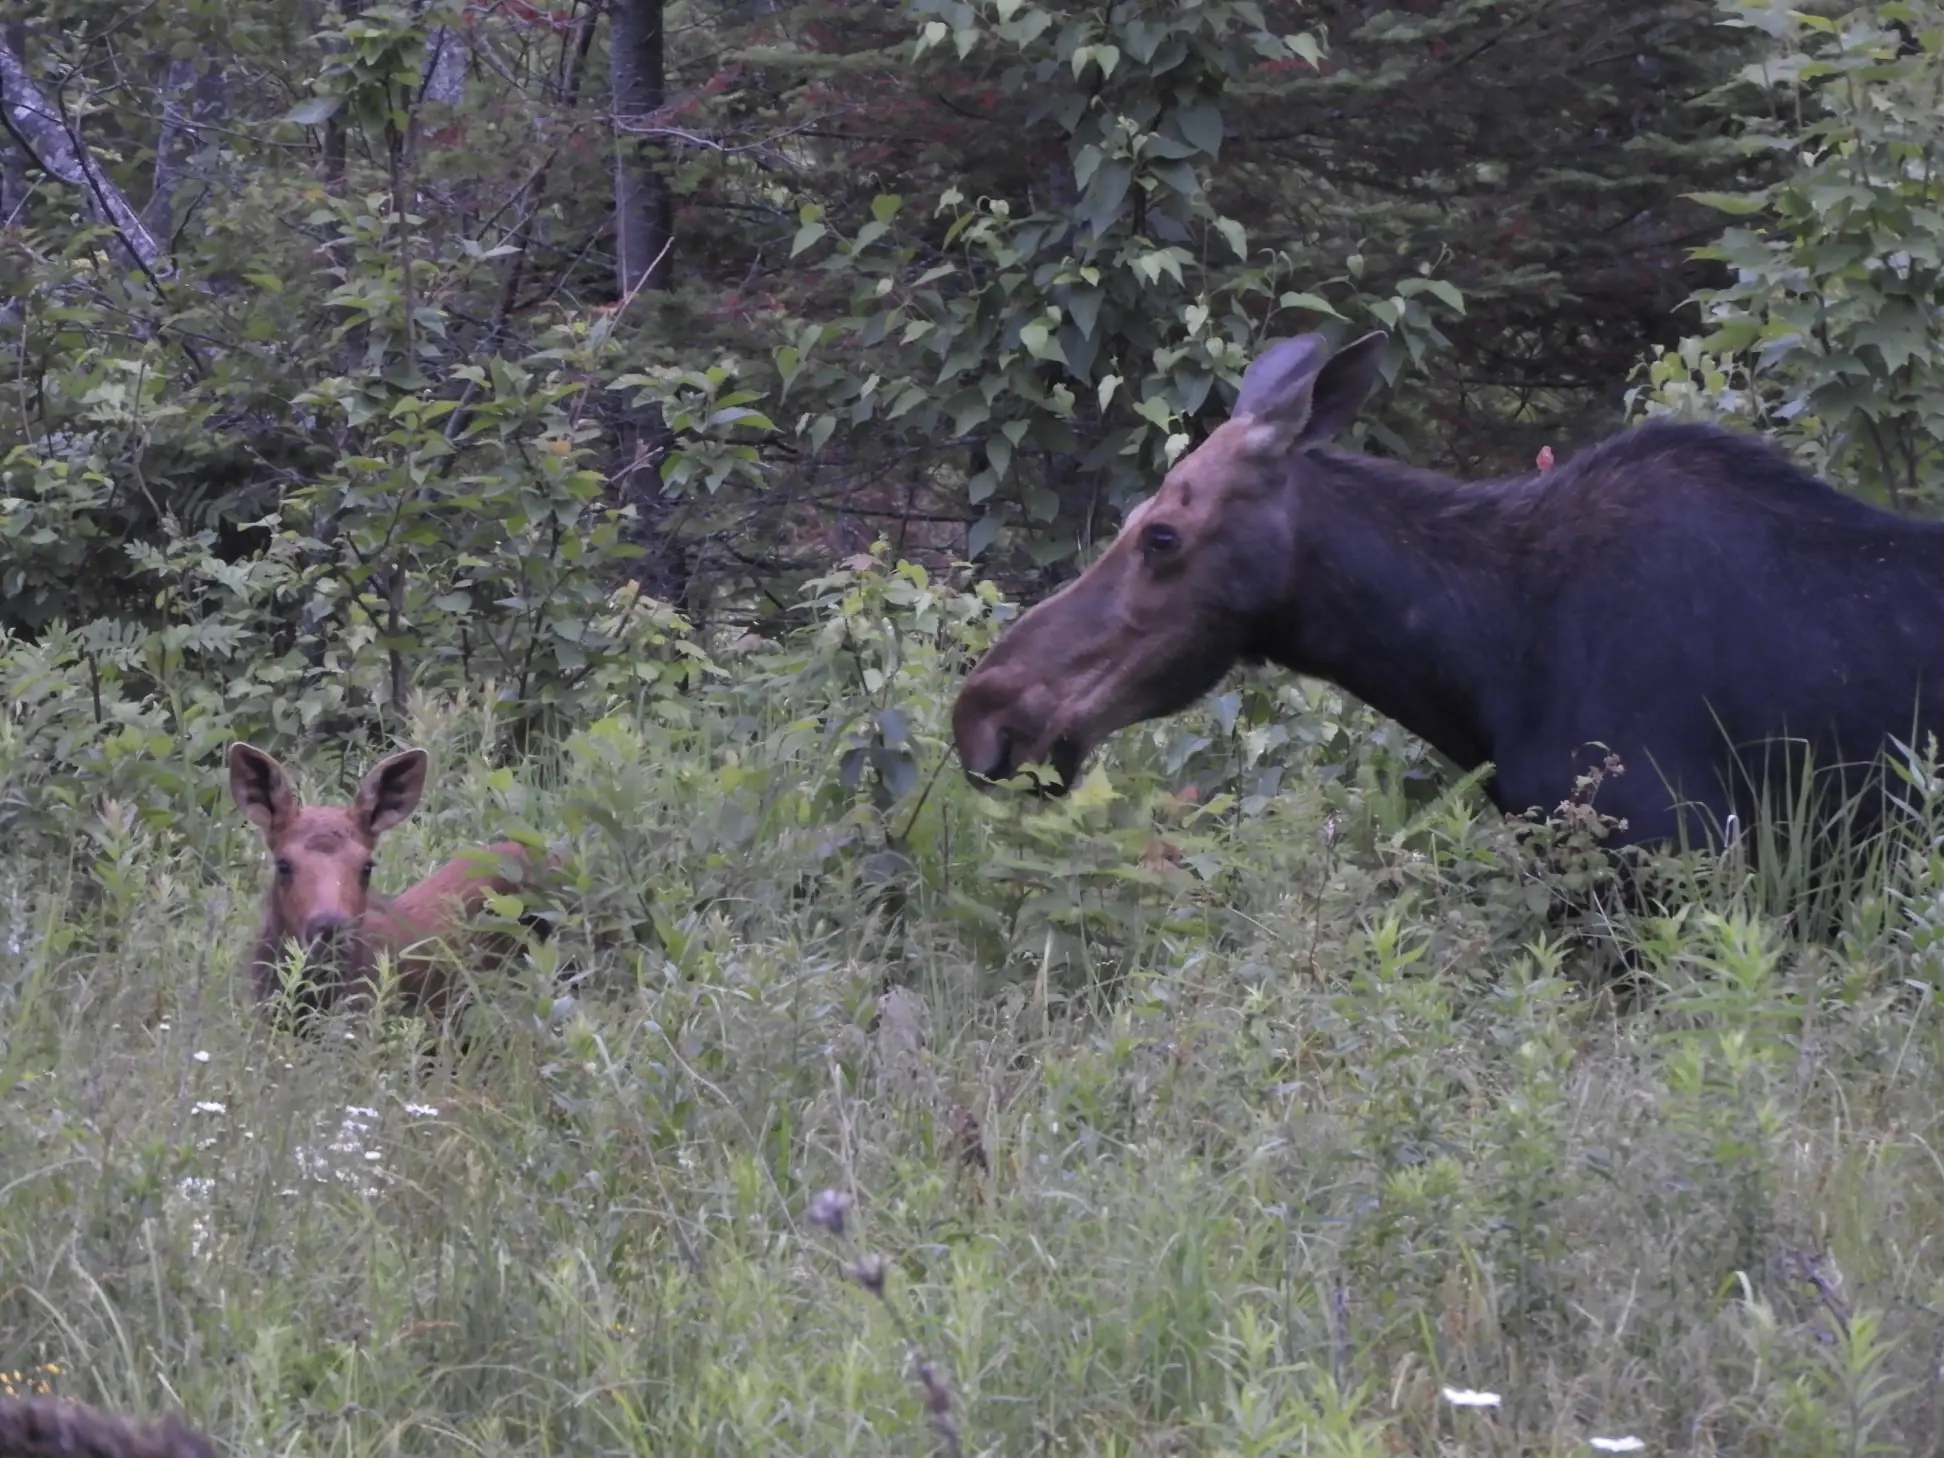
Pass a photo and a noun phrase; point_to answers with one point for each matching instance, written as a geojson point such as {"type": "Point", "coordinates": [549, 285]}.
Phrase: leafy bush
{"type": "Point", "coordinates": [1827, 334]}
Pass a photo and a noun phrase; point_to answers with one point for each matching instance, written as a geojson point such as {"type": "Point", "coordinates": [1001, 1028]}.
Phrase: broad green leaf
{"type": "Point", "coordinates": [1315, 303]}
{"type": "Point", "coordinates": [314, 111]}
{"type": "Point", "coordinates": [1200, 124]}
{"type": "Point", "coordinates": [981, 534]}
{"type": "Point", "coordinates": [1738, 204]}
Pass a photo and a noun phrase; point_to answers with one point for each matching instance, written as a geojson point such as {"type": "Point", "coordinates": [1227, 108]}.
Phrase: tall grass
{"type": "Point", "coordinates": [1159, 1122]}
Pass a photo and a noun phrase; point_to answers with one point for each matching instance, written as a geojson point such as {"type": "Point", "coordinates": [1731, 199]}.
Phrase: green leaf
{"type": "Point", "coordinates": [1438, 288]}
{"type": "Point", "coordinates": [1105, 199]}
{"type": "Point", "coordinates": [315, 111]}
{"type": "Point", "coordinates": [1027, 28]}
{"type": "Point", "coordinates": [970, 414]}
{"type": "Point", "coordinates": [1200, 124]}
{"type": "Point", "coordinates": [1739, 204]}
{"type": "Point", "coordinates": [1315, 303]}
{"type": "Point", "coordinates": [998, 452]}
{"type": "Point", "coordinates": [1083, 309]}
{"type": "Point", "coordinates": [981, 534]}
{"type": "Point", "coordinates": [1037, 337]}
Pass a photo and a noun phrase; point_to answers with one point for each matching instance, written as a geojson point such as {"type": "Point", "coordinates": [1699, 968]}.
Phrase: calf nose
{"type": "Point", "coordinates": [326, 928]}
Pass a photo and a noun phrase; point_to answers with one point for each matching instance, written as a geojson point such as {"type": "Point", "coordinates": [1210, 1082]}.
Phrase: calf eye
{"type": "Point", "coordinates": [364, 874]}
{"type": "Point", "coordinates": [1158, 539]}
{"type": "Point", "coordinates": [284, 869]}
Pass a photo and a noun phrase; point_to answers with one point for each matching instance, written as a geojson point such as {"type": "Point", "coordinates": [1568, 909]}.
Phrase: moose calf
{"type": "Point", "coordinates": [321, 895]}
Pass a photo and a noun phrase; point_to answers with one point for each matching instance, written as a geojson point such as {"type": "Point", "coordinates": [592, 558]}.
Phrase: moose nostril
{"type": "Point", "coordinates": [999, 766]}
{"type": "Point", "coordinates": [321, 929]}
{"type": "Point", "coordinates": [1065, 758]}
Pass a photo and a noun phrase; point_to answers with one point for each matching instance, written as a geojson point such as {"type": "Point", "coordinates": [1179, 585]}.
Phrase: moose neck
{"type": "Point", "coordinates": [1406, 595]}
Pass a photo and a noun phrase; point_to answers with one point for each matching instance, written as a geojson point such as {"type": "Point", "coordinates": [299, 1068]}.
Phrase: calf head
{"type": "Point", "coordinates": [323, 853]}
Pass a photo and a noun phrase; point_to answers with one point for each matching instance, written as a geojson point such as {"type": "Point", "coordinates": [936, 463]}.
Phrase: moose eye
{"type": "Point", "coordinates": [364, 873]}
{"type": "Point", "coordinates": [1158, 539]}
{"type": "Point", "coordinates": [284, 869]}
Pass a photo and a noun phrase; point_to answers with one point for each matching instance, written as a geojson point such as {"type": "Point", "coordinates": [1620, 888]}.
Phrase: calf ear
{"type": "Point", "coordinates": [260, 788]}
{"type": "Point", "coordinates": [391, 791]}
{"type": "Point", "coordinates": [1294, 396]}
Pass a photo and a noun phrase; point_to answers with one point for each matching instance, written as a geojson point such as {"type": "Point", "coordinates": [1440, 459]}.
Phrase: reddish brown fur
{"type": "Point", "coordinates": [321, 897]}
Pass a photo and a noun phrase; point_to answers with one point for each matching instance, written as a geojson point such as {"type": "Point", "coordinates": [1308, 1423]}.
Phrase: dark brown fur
{"type": "Point", "coordinates": [1679, 595]}
{"type": "Point", "coordinates": [320, 895]}
{"type": "Point", "coordinates": [50, 1427]}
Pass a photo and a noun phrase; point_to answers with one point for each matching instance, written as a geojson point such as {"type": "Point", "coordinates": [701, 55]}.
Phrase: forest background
{"type": "Point", "coordinates": [653, 405]}
{"type": "Point", "coordinates": [358, 349]}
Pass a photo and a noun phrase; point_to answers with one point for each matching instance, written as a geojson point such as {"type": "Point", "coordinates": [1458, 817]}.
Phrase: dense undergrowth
{"type": "Point", "coordinates": [1244, 1102]}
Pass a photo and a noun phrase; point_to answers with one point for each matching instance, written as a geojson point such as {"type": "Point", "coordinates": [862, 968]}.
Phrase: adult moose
{"type": "Point", "coordinates": [1678, 595]}
{"type": "Point", "coordinates": [321, 895]}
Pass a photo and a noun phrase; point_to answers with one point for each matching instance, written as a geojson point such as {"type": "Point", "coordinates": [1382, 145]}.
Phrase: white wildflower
{"type": "Point", "coordinates": [1465, 1397]}
{"type": "Point", "coordinates": [210, 1106]}
{"type": "Point", "coordinates": [422, 1111]}
{"type": "Point", "coordinates": [1628, 1444]}
{"type": "Point", "coordinates": [200, 1056]}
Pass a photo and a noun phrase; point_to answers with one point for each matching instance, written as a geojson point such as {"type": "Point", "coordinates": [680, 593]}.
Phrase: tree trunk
{"type": "Point", "coordinates": [194, 96]}
{"type": "Point", "coordinates": [644, 231]}
{"type": "Point", "coordinates": [13, 161]}
{"type": "Point", "coordinates": [643, 210]}
{"type": "Point", "coordinates": [337, 135]}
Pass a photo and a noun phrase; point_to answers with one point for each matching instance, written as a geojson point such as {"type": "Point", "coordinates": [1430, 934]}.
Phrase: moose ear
{"type": "Point", "coordinates": [260, 788]}
{"type": "Point", "coordinates": [391, 791]}
{"type": "Point", "coordinates": [1296, 396]}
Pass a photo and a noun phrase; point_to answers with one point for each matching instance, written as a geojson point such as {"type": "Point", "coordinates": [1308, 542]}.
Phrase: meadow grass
{"type": "Point", "coordinates": [1154, 1128]}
